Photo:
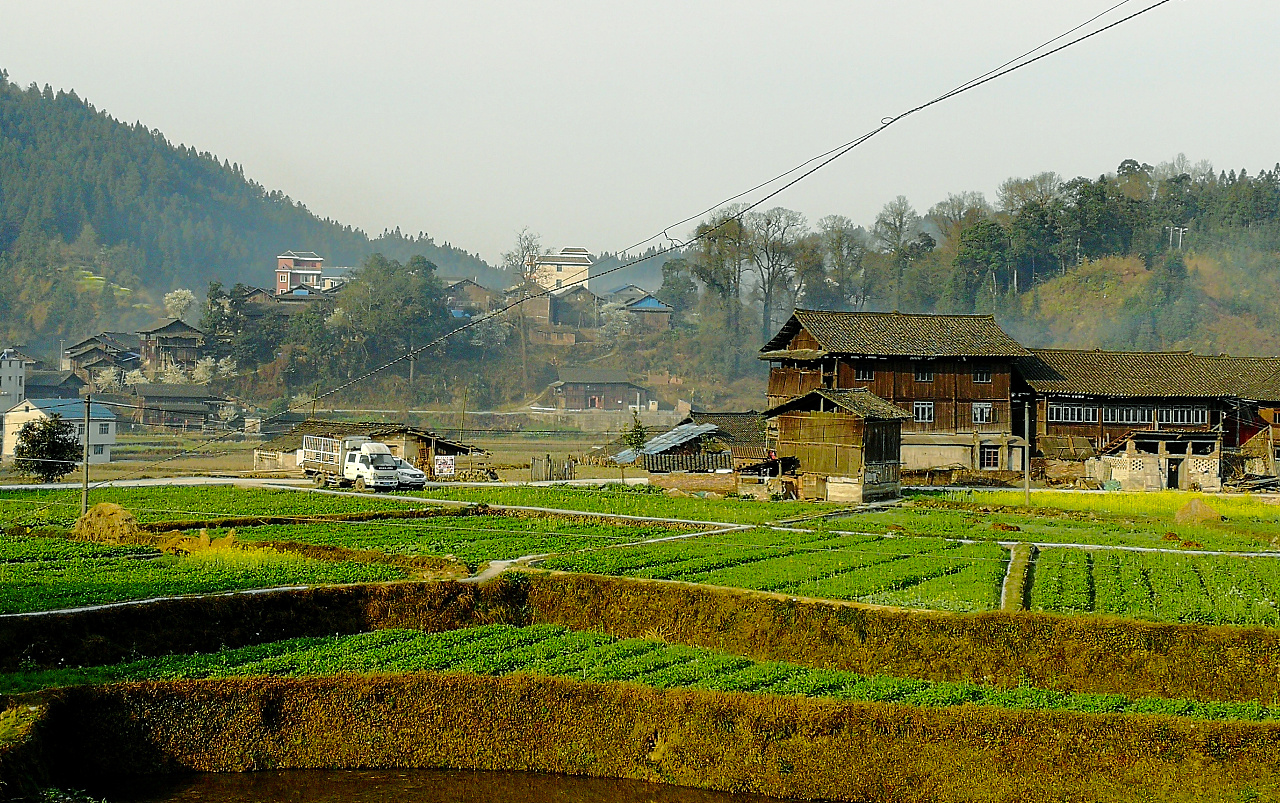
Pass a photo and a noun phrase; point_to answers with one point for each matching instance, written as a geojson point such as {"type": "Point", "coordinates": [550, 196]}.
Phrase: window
{"type": "Point", "coordinates": [104, 429]}
{"type": "Point", "coordinates": [1126, 415]}
{"type": "Point", "coordinates": [1072, 414]}
{"type": "Point", "coordinates": [983, 413]}
{"type": "Point", "coordinates": [98, 448]}
{"type": "Point", "coordinates": [989, 457]}
{"type": "Point", "coordinates": [864, 374]}
{"type": "Point", "coordinates": [982, 374]}
{"type": "Point", "coordinates": [924, 412]}
{"type": "Point", "coordinates": [924, 373]}
{"type": "Point", "coordinates": [1184, 415]}
{"type": "Point", "coordinates": [80, 430]}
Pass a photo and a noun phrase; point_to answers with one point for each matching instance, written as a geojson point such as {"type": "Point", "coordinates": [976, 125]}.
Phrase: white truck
{"type": "Point", "coordinates": [355, 460]}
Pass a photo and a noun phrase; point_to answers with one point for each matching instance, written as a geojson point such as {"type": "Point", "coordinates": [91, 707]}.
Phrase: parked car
{"type": "Point", "coordinates": [410, 477]}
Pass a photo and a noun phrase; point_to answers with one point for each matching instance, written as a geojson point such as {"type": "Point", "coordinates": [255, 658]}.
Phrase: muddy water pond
{"type": "Point", "coordinates": [401, 786]}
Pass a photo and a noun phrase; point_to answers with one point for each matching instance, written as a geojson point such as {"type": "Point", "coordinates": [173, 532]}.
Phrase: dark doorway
{"type": "Point", "coordinates": [1175, 468]}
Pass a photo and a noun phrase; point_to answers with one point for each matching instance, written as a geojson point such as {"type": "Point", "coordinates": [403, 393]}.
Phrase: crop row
{"type": "Point", "coordinates": [21, 549]}
{"type": "Point", "coordinates": [555, 651]}
{"type": "Point", "coordinates": [924, 572]}
{"type": "Point", "coordinates": [1212, 589]}
{"type": "Point", "coordinates": [88, 579]}
{"type": "Point", "coordinates": [612, 499]}
{"type": "Point", "coordinates": [162, 503]}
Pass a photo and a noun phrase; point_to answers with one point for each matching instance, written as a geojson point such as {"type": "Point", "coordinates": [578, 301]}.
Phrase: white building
{"type": "Point", "coordinates": [562, 270]}
{"type": "Point", "coordinates": [101, 429]}
{"type": "Point", "coordinates": [13, 377]}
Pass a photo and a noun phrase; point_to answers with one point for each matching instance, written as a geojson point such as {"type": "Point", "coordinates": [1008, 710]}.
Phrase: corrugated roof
{"type": "Point", "coordinates": [67, 408]}
{"type": "Point", "coordinates": [858, 401]}
{"type": "Point", "coordinates": [593, 376]}
{"type": "Point", "coordinates": [896, 334]}
{"type": "Point", "coordinates": [1138, 374]}
{"type": "Point", "coordinates": [681, 434]}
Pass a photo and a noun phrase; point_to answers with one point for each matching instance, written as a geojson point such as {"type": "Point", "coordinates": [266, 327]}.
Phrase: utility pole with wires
{"type": "Point", "coordinates": [84, 483]}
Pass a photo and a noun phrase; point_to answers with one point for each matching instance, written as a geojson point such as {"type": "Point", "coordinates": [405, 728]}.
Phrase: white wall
{"type": "Point", "coordinates": [15, 419]}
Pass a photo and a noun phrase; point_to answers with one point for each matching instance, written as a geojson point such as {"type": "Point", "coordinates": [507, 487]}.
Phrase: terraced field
{"type": "Point", "coordinates": [923, 572]}
{"type": "Point", "coordinates": [1163, 587]}
{"type": "Point", "coordinates": [556, 651]}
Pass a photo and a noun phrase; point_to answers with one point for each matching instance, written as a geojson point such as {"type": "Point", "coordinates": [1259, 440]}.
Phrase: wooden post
{"type": "Point", "coordinates": [1026, 453]}
{"type": "Point", "coordinates": [84, 483]}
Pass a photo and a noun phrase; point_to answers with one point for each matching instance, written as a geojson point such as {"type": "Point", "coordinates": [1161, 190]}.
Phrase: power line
{"type": "Point", "coordinates": [822, 160]}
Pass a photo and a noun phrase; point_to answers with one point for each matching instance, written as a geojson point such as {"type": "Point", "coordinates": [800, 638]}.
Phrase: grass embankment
{"type": "Point", "coordinates": [908, 572]}
{"type": "Point", "coordinates": [556, 651]}
{"type": "Point", "coordinates": [631, 500]}
{"type": "Point", "coordinates": [783, 746]}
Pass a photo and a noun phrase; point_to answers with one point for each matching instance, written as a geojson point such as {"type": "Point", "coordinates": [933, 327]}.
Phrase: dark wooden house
{"type": "Point", "coordinates": [951, 373]}
{"type": "Point", "coordinates": [597, 389]}
{"type": "Point", "coordinates": [171, 342]}
{"type": "Point", "coordinates": [846, 442]}
{"type": "Point", "coordinates": [54, 385]}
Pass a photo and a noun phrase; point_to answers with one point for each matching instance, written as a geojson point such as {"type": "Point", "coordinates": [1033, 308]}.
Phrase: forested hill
{"type": "Point", "coordinates": [98, 217]}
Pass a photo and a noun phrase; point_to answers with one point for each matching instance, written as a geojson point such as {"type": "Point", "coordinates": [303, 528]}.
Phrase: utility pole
{"type": "Point", "coordinates": [84, 482]}
{"type": "Point", "coordinates": [1026, 453]}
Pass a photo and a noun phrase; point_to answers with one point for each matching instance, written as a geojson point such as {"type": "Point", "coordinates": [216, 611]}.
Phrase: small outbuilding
{"type": "Point", "coordinates": [846, 444]}
{"type": "Point", "coordinates": [687, 447]}
{"type": "Point", "coordinates": [433, 454]}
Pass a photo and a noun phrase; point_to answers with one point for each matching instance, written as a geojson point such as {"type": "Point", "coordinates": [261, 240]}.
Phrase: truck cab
{"type": "Point", "coordinates": [369, 464]}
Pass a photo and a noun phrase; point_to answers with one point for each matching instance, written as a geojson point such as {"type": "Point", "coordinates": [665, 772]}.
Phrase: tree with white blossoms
{"type": "Point", "coordinates": [615, 322]}
{"type": "Point", "coordinates": [203, 371]}
{"type": "Point", "coordinates": [227, 367]}
{"type": "Point", "coordinates": [174, 374]}
{"type": "Point", "coordinates": [178, 302]}
{"type": "Point", "coordinates": [108, 379]}
{"type": "Point", "coordinates": [135, 377]}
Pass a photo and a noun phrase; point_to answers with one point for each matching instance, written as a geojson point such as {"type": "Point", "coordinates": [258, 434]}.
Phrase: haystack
{"type": "Point", "coordinates": [108, 523]}
{"type": "Point", "coordinates": [1196, 512]}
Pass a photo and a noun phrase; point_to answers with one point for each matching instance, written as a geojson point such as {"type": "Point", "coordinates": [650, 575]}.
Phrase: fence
{"type": "Point", "coordinates": [544, 469]}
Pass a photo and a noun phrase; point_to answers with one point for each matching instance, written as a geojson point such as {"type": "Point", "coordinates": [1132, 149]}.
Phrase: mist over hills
{"type": "Point", "coordinates": [99, 218]}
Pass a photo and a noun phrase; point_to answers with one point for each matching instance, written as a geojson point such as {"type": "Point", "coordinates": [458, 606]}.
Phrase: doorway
{"type": "Point", "coordinates": [1173, 480]}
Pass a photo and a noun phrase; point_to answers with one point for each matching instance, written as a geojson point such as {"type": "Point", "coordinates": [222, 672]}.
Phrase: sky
{"type": "Point", "coordinates": [602, 124]}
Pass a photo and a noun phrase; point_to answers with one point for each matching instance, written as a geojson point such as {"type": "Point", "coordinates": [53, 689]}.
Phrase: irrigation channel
{"type": "Point", "coordinates": [404, 786]}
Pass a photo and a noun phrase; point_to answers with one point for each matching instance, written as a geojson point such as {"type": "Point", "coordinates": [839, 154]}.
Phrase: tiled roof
{"type": "Point", "coordinates": [171, 326]}
{"type": "Point", "coordinates": [858, 401]}
{"type": "Point", "coordinates": [896, 334]}
{"type": "Point", "coordinates": [52, 379]}
{"type": "Point", "coordinates": [594, 376]}
{"type": "Point", "coordinates": [1136, 374]}
{"type": "Point", "coordinates": [160, 390]}
{"type": "Point", "coordinates": [743, 433]}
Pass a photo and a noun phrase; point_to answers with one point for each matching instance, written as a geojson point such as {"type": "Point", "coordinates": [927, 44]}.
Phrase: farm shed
{"type": "Point", "coordinates": [687, 447]}
{"type": "Point", "coordinates": [742, 433]}
{"type": "Point", "coordinates": [418, 446]}
{"type": "Point", "coordinates": [847, 443]}
{"type": "Point", "coordinates": [1152, 460]}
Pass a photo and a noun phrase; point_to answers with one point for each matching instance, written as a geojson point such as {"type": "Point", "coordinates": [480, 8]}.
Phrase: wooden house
{"type": "Point", "coordinates": [597, 389]}
{"type": "Point", "coordinates": [648, 314]}
{"type": "Point", "coordinates": [847, 443]}
{"type": "Point", "coordinates": [951, 373]}
{"type": "Point", "coordinates": [86, 357]}
{"type": "Point", "coordinates": [182, 406]}
{"type": "Point", "coordinates": [577, 307]}
{"type": "Point", "coordinates": [470, 296]}
{"type": "Point", "coordinates": [54, 385]}
{"type": "Point", "coordinates": [171, 342]}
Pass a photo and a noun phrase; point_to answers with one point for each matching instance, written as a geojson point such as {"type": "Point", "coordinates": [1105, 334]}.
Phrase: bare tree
{"type": "Point", "coordinates": [718, 259]}
{"type": "Point", "coordinates": [958, 212]}
{"type": "Point", "coordinates": [521, 264]}
{"type": "Point", "coordinates": [843, 249]}
{"type": "Point", "coordinates": [1015, 193]}
{"type": "Point", "coordinates": [896, 227]}
{"type": "Point", "coordinates": [773, 240]}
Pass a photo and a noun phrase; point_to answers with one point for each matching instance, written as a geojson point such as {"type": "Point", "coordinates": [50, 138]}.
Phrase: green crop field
{"type": "Point", "coordinates": [914, 572]}
{"type": "Point", "coordinates": [1210, 589]}
{"type": "Point", "coordinates": [164, 503]}
{"type": "Point", "coordinates": [556, 651]}
{"type": "Point", "coordinates": [470, 539]}
{"type": "Point", "coordinates": [39, 574]}
{"type": "Point", "coordinates": [1054, 526]}
{"type": "Point", "coordinates": [634, 500]}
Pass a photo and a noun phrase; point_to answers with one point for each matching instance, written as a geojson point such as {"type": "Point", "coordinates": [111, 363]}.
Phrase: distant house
{"type": "Point", "coordinates": [597, 389]}
{"type": "Point", "coordinates": [847, 443]}
{"type": "Point", "coordinates": [14, 366]}
{"type": "Point", "coordinates": [101, 429]}
{"type": "Point", "coordinates": [469, 296]}
{"type": "Point", "coordinates": [577, 307]}
{"type": "Point", "coordinates": [118, 350]}
{"type": "Point", "coordinates": [625, 294]}
{"type": "Point", "coordinates": [185, 406]}
{"type": "Point", "coordinates": [531, 301]}
{"type": "Point", "coordinates": [553, 271]}
{"type": "Point", "coordinates": [54, 385]}
{"type": "Point", "coordinates": [648, 314]}
{"type": "Point", "coordinates": [171, 342]}
{"type": "Point", "coordinates": [298, 268]}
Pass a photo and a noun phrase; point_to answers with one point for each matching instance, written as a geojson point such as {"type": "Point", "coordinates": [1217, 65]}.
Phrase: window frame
{"type": "Point", "coordinates": [1081, 413]}
{"type": "Point", "coordinates": [988, 408]}
{"type": "Point", "coordinates": [923, 374]}
{"type": "Point", "coordinates": [985, 452]}
{"type": "Point", "coordinates": [980, 371]}
{"type": "Point", "coordinates": [862, 373]}
{"type": "Point", "coordinates": [104, 429]}
{"type": "Point", "coordinates": [99, 448]}
{"type": "Point", "coordinates": [925, 407]}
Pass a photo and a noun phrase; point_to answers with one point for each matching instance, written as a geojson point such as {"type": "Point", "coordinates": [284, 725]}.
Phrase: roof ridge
{"type": "Point", "coordinates": [896, 312]}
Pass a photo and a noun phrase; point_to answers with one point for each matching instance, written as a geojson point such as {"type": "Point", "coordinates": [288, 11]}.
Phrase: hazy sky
{"type": "Point", "coordinates": [598, 124]}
